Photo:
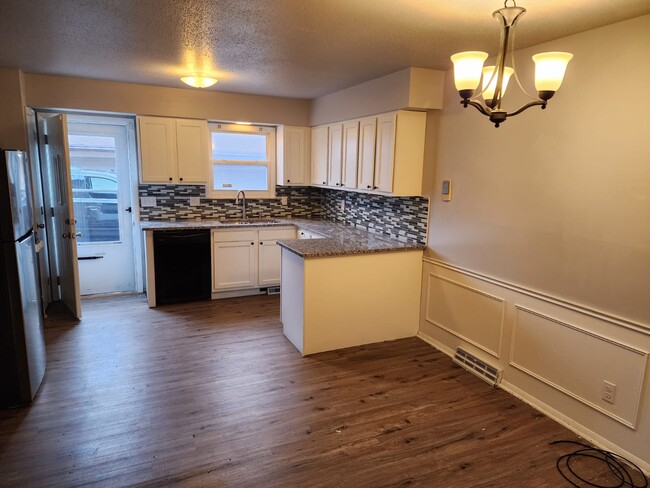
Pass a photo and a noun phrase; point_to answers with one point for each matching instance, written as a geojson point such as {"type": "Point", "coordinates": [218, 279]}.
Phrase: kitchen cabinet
{"type": "Point", "coordinates": [319, 155]}
{"type": "Point", "coordinates": [244, 259]}
{"type": "Point", "coordinates": [270, 255]}
{"type": "Point", "coordinates": [294, 155]}
{"type": "Point", "coordinates": [335, 154]}
{"type": "Point", "coordinates": [350, 154]}
{"type": "Point", "coordinates": [234, 260]}
{"type": "Point", "coordinates": [366, 158]}
{"type": "Point", "coordinates": [173, 151]}
{"type": "Point", "coordinates": [379, 154]}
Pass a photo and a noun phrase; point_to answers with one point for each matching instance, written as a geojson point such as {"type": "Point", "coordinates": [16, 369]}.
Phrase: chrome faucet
{"type": "Point", "coordinates": [243, 203]}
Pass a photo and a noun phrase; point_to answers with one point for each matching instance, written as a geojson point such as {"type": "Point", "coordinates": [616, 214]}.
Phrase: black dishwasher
{"type": "Point", "coordinates": [183, 265]}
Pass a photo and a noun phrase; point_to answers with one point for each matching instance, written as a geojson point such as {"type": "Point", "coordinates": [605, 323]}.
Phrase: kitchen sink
{"type": "Point", "coordinates": [250, 221]}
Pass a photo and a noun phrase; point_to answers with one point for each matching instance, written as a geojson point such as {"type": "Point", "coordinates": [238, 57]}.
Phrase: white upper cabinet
{"type": "Point", "coordinates": [385, 155]}
{"type": "Point", "coordinates": [319, 155]}
{"type": "Point", "coordinates": [173, 150]}
{"type": "Point", "coordinates": [366, 166]}
{"type": "Point", "coordinates": [335, 155]}
{"type": "Point", "coordinates": [157, 149]}
{"type": "Point", "coordinates": [294, 155]}
{"type": "Point", "coordinates": [350, 153]}
{"type": "Point", "coordinates": [192, 147]}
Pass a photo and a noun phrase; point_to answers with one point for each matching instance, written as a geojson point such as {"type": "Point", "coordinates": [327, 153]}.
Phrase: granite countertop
{"type": "Point", "coordinates": [339, 239]}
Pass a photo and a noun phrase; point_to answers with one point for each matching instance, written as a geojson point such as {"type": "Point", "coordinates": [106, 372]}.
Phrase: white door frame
{"type": "Point", "coordinates": [129, 124]}
{"type": "Point", "coordinates": [128, 121]}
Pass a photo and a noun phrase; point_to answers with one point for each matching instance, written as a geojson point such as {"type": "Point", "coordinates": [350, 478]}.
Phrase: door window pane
{"type": "Point", "coordinates": [238, 147]}
{"type": "Point", "coordinates": [240, 177]}
{"type": "Point", "coordinates": [94, 188]}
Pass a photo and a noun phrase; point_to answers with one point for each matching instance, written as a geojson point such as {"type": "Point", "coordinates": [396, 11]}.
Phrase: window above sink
{"type": "Point", "coordinates": [242, 157]}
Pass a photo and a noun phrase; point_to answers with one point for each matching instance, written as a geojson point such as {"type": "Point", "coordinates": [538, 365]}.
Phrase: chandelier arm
{"type": "Point", "coordinates": [514, 68]}
{"type": "Point", "coordinates": [527, 106]}
{"type": "Point", "coordinates": [499, 66]}
{"type": "Point", "coordinates": [478, 106]}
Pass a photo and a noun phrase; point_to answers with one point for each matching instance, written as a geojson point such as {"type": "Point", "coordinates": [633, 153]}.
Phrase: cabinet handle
{"type": "Point", "coordinates": [252, 243]}
{"type": "Point", "coordinates": [170, 179]}
{"type": "Point", "coordinates": [369, 186]}
{"type": "Point", "coordinates": [324, 182]}
{"type": "Point", "coordinates": [375, 187]}
{"type": "Point", "coordinates": [261, 243]}
{"type": "Point", "coordinates": [342, 184]}
{"type": "Point", "coordinates": [288, 181]}
{"type": "Point", "coordinates": [181, 179]}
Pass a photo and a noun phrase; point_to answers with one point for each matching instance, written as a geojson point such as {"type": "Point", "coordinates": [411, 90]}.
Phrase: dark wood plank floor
{"type": "Point", "coordinates": [212, 394]}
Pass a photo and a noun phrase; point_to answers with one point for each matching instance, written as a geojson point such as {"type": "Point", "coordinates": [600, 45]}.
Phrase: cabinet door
{"type": "Point", "coordinates": [335, 155]}
{"type": "Point", "coordinates": [294, 155]}
{"type": "Point", "coordinates": [367, 138]}
{"type": "Point", "coordinates": [157, 150]}
{"type": "Point", "coordinates": [234, 265]}
{"type": "Point", "coordinates": [319, 156]}
{"type": "Point", "coordinates": [269, 263]}
{"type": "Point", "coordinates": [192, 147]}
{"type": "Point", "coordinates": [385, 154]}
{"type": "Point", "coordinates": [350, 153]}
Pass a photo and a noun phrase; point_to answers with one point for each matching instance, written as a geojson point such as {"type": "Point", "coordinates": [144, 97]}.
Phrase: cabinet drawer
{"type": "Point", "coordinates": [274, 234]}
{"type": "Point", "coordinates": [234, 235]}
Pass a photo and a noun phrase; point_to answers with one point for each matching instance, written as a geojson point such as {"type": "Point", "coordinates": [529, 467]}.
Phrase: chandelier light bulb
{"type": "Point", "coordinates": [490, 82]}
{"type": "Point", "coordinates": [467, 70]}
{"type": "Point", "coordinates": [550, 69]}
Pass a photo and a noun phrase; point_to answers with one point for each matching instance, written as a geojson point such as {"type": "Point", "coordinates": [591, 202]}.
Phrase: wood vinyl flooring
{"type": "Point", "coordinates": [212, 394]}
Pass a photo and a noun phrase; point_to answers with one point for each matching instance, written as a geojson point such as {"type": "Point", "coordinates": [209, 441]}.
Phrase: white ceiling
{"type": "Point", "coordinates": [291, 48]}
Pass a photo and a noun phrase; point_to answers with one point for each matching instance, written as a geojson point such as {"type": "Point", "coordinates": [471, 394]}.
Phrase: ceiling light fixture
{"type": "Point", "coordinates": [199, 81]}
{"type": "Point", "coordinates": [468, 71]}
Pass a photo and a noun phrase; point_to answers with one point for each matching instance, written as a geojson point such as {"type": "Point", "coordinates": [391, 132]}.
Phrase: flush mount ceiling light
{"type": "Point", "coordinates": [469, 70]}
{"type": "Point", "coordinates": [199, 81]}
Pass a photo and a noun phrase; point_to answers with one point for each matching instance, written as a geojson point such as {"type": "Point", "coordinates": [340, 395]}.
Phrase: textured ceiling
{"type": "Point", "coordinates": [291, 48]}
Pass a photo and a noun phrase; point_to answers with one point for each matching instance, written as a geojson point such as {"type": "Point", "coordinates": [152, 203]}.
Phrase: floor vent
{"type": "Point", "coordinates": [273, 290]}
{"type": "Point", "coordinates": [478, 367]}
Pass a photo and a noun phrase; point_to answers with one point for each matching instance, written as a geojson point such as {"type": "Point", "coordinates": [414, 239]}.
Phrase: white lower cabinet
{"type": "Point", "coordinates": [247, 259]}
{"type": "Point", "coordinates": [234, 260]}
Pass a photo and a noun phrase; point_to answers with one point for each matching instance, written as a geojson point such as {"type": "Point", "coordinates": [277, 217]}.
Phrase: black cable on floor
{"type": "Point", "coordinates": [618, 466]}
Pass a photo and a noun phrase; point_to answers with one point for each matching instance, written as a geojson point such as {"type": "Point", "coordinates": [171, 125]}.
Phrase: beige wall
{"type": "Point", "coordinates": [558, 200]}
{"type": "Point", "coordinates": [410, 88]}
{"type": "Point", "coordinates": [540, 265]}
{"type": "Point", "coordinates": [13, 132]}
{"type": "Point", "coordinates": [60, 92]}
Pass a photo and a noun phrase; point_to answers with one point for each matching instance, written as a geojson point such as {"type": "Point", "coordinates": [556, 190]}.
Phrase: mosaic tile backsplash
{"type": "Point", "coordinates": [401, 218]}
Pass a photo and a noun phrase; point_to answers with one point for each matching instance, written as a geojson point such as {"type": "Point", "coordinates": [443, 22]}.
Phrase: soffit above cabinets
{"type": "Point", "coordinates": [288, 48]}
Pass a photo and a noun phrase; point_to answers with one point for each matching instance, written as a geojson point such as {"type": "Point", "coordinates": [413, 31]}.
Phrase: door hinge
{"type": "Point", "coordinates": [58, 280]}
{"type": "Point", "coordinates": [51, 211]}
{"type": "Point", "coordinates": [45, 139]}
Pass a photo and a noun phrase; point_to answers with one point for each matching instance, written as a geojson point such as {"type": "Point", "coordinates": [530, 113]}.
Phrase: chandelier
{"type": "Point", "coordinates": [469, 71]}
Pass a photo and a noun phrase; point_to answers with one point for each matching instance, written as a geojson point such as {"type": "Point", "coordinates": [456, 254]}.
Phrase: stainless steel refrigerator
{"type": "Point", "coordinates": [22, 346]}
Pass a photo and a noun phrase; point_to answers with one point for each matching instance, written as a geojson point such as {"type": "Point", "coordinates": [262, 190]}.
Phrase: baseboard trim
{"type": "Point", "coordinates": [542, 407]}
{"type": "Point", "coordinates": [577, 307]}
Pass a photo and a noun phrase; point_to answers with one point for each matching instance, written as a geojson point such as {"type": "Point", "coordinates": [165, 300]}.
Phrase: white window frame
{"type": "Point", "coordinates": [269, 163]}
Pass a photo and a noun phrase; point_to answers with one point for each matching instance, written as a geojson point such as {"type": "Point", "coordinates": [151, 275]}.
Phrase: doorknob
{"type": "Point", "coordinates": [128, 209]}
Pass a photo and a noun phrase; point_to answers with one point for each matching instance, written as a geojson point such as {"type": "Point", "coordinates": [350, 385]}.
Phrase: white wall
{"type": "Point", "coordinates": [540, 264]}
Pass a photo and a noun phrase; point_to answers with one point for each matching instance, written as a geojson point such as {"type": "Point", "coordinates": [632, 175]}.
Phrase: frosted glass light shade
{"type": "Point", "coordinates": [488, 90]}
{"type": "Point", "coordinates": [467, 69]}
{"type": "Point", "coordinates": [198, 81]}
{"type": "Point", "coordinates": [550, 69]}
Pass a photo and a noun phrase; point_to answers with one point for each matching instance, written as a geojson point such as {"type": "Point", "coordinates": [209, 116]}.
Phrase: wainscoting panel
{"type": "Point", "coordinates": [577, 362]}
{"type": "Point", "coordinates": [466, 312]}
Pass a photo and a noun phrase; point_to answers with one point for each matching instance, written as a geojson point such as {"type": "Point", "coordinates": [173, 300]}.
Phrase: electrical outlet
{"type": "Point", "coordinates": [609, 391]}
{"type": "Point", "coordinates": [342, 206]}
{"type": "Point", "coordinates": [195, 201]}
{"type": "Point", "coordinates": [284, 200]}
{"type": "Point", "coordinates": [147, 201]}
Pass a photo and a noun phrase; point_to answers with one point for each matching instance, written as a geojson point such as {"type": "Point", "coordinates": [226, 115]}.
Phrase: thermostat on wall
{"type": "Point", "coordinates": [446, 190]}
